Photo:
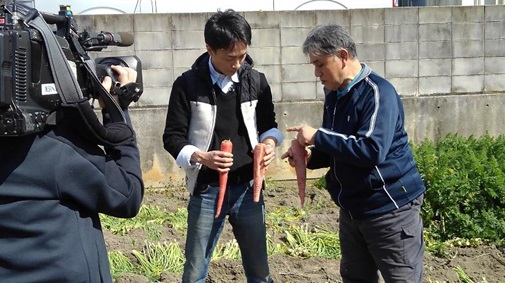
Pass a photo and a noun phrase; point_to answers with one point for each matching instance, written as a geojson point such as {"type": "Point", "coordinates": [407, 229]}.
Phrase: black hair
{"type": "Point", "coordinates": [225, 29]}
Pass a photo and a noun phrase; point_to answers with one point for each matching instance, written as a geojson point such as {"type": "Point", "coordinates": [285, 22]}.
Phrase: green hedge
{"type": "Point", "coordinates": [465, 181]}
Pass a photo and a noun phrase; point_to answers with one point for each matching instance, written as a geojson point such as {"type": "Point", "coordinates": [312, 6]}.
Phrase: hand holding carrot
{"type": "Point", "coordinates": [226, 146]}
{"type": "Point", "coordinates": [259, 169]}
{"type": "Point", "coordinates": [289, 155]}
{"type": "Point", "coordinates": [218, 160]}
{"type": "Point", "coordinates": [297, 157]}
{"type": "Point", "coordinates": [305, 135]}
{"type": "Point", "coordinates": [263, 155]}
{"type": "Point", "coordinates": [269, 153]}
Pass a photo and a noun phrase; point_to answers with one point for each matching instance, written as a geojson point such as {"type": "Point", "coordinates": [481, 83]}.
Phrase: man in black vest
{"type": "Point", "coordinates": [222, 97]}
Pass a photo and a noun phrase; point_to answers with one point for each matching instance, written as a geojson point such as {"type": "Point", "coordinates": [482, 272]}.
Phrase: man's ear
{"type": "Point", "coordinates": [209, 50]}
{"type": "Point", "coordinates": [343, 54]}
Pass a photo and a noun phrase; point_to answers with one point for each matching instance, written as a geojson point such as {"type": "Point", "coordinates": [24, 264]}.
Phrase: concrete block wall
{"type": "Point", "coordinates": [447, 63]}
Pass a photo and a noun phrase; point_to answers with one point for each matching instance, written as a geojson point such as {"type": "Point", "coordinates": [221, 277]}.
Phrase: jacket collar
{"type": "Point", "coordinates": [224, 82]}
{"type": "Point", "coordinates": [201, 65]}
{"type": "Point", "coordinates": [364, 73]}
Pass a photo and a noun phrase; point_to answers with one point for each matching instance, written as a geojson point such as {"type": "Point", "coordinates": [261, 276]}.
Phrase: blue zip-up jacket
{"type": "Point", "coordinates": [364, 142]}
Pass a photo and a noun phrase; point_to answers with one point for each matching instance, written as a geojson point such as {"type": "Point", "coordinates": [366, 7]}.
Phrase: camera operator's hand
{"type": "Point", "coordinates": [125, 75]}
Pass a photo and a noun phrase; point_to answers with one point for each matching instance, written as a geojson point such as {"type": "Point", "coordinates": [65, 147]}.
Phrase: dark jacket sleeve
{"type": "Point", "coordinates": [265, 118]}
{"type": "Point", "coordinates": [318, 159]}
{"type": "Point", "coordinates": [107, 182]}
{"type": "Point", "coordinates": [178, 119]}
{"type": "Point", "coordinates": [370, 143]}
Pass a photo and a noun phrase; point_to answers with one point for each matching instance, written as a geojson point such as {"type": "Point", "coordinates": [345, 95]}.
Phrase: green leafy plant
{"type": "Point", "coordinates": [178, 219]}
{"type": "Point", "coordinates": [156, 258]}
{"type": "Point", "coordinates": [463, 277]}
{"type": "Point", "coordinates": [465, 180]}
{"type": "Point", "coordinates": [284, 215]}
{"type": "Point", "coordinates": [148, 218]}
{"type": "Point", "coordinates": [316, 242]}
{"type": "Point", "coordinates": [320, 183]}
{"type": "Point", "coordinates": [120, 263]}
{"type": "Point", "coordinates": [229, 249]}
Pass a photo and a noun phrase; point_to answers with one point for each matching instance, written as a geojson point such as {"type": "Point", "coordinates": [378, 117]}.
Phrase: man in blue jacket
{"type": "Point", "coordinates": [372, 177]}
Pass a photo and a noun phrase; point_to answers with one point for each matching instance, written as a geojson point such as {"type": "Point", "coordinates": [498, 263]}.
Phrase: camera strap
{"type": "Point", "coordinates": [69, 89]}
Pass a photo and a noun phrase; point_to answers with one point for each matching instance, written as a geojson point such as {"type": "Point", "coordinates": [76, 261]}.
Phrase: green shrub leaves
{"type": "Point", "coordinates": [465, 180]}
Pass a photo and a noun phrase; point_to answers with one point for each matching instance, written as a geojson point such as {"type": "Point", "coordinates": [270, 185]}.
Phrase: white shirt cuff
{"type": "Point", "coordinates": [184, 158]}
{"type": "Point", "coordinates": [275, 133]}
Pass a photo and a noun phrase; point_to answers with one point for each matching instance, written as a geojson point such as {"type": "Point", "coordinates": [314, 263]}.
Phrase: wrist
{"type": "Point", "coordinates": [269, 142]}
{"type": "Point", "coordinates": [197, 157]}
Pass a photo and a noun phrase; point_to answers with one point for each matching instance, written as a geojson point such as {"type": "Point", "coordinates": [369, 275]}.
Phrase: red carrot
{"type": "Point", "coordinates": [226, 146]}
{"type": "Point", "coordinates": [258, 170]}
{"type": "Point", "coordinates": [300, 160]}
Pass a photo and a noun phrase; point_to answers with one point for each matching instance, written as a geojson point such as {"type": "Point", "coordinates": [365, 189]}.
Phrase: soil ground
{"type": "Point", "coordinates": [482, 264]}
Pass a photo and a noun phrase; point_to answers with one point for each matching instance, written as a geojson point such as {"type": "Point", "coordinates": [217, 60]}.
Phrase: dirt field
{"type": "Point", "coordinates": [483, 264]}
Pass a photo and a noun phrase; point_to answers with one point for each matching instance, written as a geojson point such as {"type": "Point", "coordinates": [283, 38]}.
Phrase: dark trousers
{"type": "Point", "coordinates": [391, 244]}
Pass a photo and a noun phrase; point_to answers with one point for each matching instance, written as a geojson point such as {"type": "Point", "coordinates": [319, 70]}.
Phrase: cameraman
{"type": "Point", "coordinates": [53, 185]}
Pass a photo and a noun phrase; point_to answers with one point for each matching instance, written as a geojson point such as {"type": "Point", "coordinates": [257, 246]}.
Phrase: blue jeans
{"type": "Point", "coordinates": [248, 222]}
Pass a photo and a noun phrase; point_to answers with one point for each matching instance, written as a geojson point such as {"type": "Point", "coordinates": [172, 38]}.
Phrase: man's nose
{"type": "Point", "coordinates": [236, 64]}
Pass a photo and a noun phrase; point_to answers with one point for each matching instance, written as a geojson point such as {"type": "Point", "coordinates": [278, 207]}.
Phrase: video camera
{"type": "Point", "coordinates": [45, 68]}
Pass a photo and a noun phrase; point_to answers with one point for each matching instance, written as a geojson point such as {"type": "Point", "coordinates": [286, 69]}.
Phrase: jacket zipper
{"type": "Point", "coordinates": [209, 137]}
{"type": "Point", "coordinates": [334, 161]}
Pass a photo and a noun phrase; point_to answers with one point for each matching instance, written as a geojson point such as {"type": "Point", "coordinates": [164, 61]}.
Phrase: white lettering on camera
{"type": "Point", "coordinates": [49, 89]}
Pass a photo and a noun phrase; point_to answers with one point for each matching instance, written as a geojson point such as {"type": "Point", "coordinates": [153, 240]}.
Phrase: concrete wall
{"type": "Point", "coordinates": [447, 63]}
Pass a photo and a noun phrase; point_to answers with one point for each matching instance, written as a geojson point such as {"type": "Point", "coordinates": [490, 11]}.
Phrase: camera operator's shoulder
{"type": "Point", "coordinates": [72, 138]}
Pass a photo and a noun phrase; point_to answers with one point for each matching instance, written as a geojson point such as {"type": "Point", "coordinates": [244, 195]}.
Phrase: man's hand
{"type": "Point", "coordinates": [269, 150]}
{"type": "Point", "coordinates": [289, 155]}
{"type": "Point", "coordinates": [125, 75]}
{"type": "Point", "coordinates": [305, 135]}
{"type": "Point", "coordinates": [218, 160]}
{"type": "Point", "coordinates": [269, 154]}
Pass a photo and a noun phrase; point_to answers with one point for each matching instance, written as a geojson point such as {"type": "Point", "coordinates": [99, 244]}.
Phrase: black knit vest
{"type": "Point", "coordinates": [230, 125]}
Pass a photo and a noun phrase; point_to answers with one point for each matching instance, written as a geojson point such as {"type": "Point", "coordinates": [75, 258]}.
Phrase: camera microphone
{"type": "Point", "coordinates": [115, 38]}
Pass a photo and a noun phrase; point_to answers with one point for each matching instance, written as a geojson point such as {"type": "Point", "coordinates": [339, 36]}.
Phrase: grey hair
{"type": "Point", "coordinates": [328, 40]}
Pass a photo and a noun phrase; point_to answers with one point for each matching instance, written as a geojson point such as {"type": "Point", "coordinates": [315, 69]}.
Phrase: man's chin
{"type": "Point", "coordinates": [230, 73]}
{"type": "Point", "coordinates": [328, 86]}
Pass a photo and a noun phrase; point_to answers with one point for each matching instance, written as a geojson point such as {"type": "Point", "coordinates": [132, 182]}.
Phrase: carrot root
{"type": "Point", "coordinates": [300, 160]}
{"type": "Point", "coordinates": [259, 170]}
{"type": "Point", "coordinates": [227, 146]}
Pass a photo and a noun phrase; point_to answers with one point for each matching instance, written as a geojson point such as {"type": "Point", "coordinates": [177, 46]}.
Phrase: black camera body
{"type": "Point", "coordinates": [29, 89]}
{"type": "Point", "coordinates": [27, 92]}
